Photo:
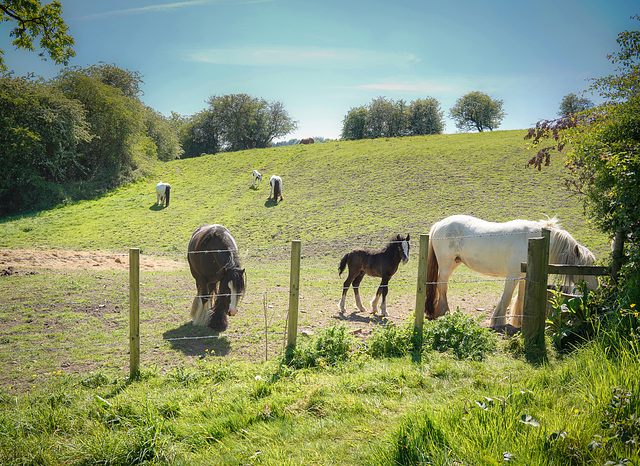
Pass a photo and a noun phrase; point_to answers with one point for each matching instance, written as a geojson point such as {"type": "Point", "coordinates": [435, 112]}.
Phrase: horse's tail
{"type": "Point", "coordinates": [343, 264]}
{"type": "Point", "coordinates": [431, 287]}
{"type": "Point", "coordinates": [167, 193]}
{"type": "Point", "coordinates": [277, 190]}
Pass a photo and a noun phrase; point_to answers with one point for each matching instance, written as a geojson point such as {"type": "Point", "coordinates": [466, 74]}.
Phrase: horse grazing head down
{"type": "Point", "coordinates": [220, 280]}
{"type": "Point", "coordinates": [276, 188]}
{"type": "Point", "coordinates": [307, 141]}
{"type": "Point", "coordinates": [564, 249]}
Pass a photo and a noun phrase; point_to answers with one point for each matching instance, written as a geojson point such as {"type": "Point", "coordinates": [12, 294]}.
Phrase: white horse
{"type": "Point", "coordinates": [276, 188]}
{"type": "Point", "coordinates": [257, 178]}
{"type": "Point", "coordinates": [495, 249]}
{"type": "Point", "coordinates": [163, 192]}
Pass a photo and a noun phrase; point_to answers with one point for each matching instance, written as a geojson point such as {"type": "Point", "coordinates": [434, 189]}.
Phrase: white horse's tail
{"type": "Point", "coordinates": [432, 278]}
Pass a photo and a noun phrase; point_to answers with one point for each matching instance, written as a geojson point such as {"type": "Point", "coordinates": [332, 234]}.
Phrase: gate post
{"type": "Point", "coordinates": [535, 296]}
{"type": "Point", "coordinates": [134, 312]}
{"type": "Point", "coordinates": [294, 296]}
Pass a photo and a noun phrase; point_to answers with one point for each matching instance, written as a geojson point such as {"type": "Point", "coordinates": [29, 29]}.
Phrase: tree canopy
{"type": "Point", "coordinates": [384, 117]}
{"type": "Point", "coordinates": [476, 110]}
{"type": "Point", "coordinates": [34, 20]}
{"type": "Point", "coordinates": [76, 135]}
{"type": "Point", "coordinates": [572, 104]}
{"type": "Point", "coordinates": [246, 122]}
{"type": "Point", "coordinates": [604, 154]}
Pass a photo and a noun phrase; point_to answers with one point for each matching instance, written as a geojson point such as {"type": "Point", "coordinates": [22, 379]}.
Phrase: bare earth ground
{"type": "Point", "coordinates": [81, 260]}
{"type": "Point", "coordinates": [194, 342]}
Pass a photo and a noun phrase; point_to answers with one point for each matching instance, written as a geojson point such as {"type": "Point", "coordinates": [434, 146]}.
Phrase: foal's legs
{"type": "Point", "coordinates": [382, 291]}
{"type": "Point", "coordinates": [355, 282]}
{"type": "Point", "coordinates": [356, 291]}
{"type": "Point", "coordinates": [345, 288]}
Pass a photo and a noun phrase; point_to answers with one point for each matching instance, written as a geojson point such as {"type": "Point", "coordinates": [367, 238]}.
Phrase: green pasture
{"type": "Point", "coordinates": [65, 396]}
{"type": "Point", "coordinates": [335, 192]}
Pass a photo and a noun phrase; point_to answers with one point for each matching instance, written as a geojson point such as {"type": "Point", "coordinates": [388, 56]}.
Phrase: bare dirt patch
{"type": "Point", "coordinates": [11, 259]}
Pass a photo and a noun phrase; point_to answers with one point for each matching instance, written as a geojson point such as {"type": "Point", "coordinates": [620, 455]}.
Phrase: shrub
{"type": "Point", "coordinates": [329, 347]}
{"type": "Point", "coordinates": [390, 341]}
{"type": "Point", "coordinates": [460, 334]}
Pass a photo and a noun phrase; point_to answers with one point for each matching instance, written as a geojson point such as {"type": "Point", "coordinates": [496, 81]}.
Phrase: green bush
{"type": "Point", "coordinates": [390, 341]}
{"type": "Point", "coordinates": [329, 347]}
{"type": "Point", "coordinates": [461, 335]}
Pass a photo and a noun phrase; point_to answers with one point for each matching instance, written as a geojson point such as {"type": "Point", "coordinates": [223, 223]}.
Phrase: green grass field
{"type": "Point", "coordinates": [336, 192]}
{"type": "Point", "coordinates": [209, 399]}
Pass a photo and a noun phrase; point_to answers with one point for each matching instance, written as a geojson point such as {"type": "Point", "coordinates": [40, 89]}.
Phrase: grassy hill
{"type": "Point", "coordinates": [213, 399]}
{"type": "Point", "coordinates": [356, 191]}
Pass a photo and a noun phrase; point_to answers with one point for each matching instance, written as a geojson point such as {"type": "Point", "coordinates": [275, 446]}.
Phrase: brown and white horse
{"type": "Point", "coordinates": [381, 263]}
{"type": "Point", "coordinates": [495, 249]}
{"type": "Point", "coordinates": [163, 193]}
{"type": "Point", "coordinates": [220, 280]}
{"type": "Point", "coordinates": [257, 178]}
{"type": "Point", "coordinates": [276, 188]}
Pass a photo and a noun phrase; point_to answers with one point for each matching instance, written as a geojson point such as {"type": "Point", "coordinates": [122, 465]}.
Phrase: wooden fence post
{"type": "Point", "coordinates": [134, 312]}
{"type": "Point", "coordinates": [294, 295]}
{"type": "Point", "coordinates": [535, 296]}
{"type": "Point", "coordinates": [421, 287]}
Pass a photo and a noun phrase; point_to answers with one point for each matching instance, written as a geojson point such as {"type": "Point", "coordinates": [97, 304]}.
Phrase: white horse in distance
{"type": "Point", "coordinates": [163, 192]}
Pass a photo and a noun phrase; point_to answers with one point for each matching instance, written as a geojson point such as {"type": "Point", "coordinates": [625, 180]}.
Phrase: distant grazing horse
{"type": "Point", "coordinates": [163, 192]}
{"type": "Point", "coordinates": [307, 141]}
{"type": "Point", "coordinates": [257, 178]}
{"type": "Point", "coordinates": [494, 249]}
{"type": "Point", "coordinates": [220, 280]}
{"type": "Point", "coordinates": [276, 188]}
{"type": "Point", "coordinates": [381, 263]}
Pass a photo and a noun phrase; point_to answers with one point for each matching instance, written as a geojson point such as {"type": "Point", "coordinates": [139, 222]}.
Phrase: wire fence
{"type": "Point", "coordinates": [267, 312]}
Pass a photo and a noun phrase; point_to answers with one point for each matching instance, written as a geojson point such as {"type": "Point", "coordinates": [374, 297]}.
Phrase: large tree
{"type": "Point", "coordinates": [476, 110]}
{"type": "Point", "coordinates": [40, 132]}
{"type": "Point", "coordinates": [247, 122]}
{"type": "Point", "coordinates": [425, 117]}
{"type": "Point", "coordinates": [353, 123]}
{"type": "Point", "coordinates": [34, 20]}
{"type": "Point", "coordinates": [572, 104]}
{"type": "Point", "coordinates": [384, 117]}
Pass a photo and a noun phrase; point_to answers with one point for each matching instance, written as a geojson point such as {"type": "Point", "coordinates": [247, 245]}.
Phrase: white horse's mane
{"type": "Point", "coordinates": [550, 222]}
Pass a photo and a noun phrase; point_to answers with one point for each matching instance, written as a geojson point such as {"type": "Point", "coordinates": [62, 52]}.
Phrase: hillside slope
{"type": "Point", "coordinates": [345, 191]}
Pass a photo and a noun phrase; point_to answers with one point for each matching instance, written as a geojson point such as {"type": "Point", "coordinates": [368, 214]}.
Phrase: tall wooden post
{"type": "Point", "coordinates": [535, 296]}
{"type": "Point", "coordinates": [134, 312]}
{"type": "Point", "coordinates": [421, 286]}
{"type": "Point", "coordinates": [294, 295]}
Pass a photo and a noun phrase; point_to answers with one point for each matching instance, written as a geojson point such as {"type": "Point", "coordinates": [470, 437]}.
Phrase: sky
{"type": "Point", "coordinates": [322, 58]}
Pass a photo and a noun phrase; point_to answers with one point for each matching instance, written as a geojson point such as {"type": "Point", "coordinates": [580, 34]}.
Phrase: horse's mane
{"type": "Point", "coordinates": [550, 222]}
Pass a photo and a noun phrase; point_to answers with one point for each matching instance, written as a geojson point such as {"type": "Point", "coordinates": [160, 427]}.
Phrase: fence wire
{"type": "Point", "coordinates": [329, 286]}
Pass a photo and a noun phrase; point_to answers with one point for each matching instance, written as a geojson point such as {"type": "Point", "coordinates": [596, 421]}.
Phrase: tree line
{"type": "Point", "coordinates": [87, 131]}
{"type": "Point", "coordinates": [384, 117]}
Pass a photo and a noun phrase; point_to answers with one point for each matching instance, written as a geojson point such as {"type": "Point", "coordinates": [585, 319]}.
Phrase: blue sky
{"type": "Point", "coordinates": [322, 58]}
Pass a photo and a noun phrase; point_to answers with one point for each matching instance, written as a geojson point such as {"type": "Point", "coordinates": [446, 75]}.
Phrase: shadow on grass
{"type": "Point", "coordinates": [196, 341]}
{"type": "Point", "coordinates": [270, 203]}
{"type": "Point", "coordinates": [362, 319]}
{"type": "Point", "coordinates": [156, 207]}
